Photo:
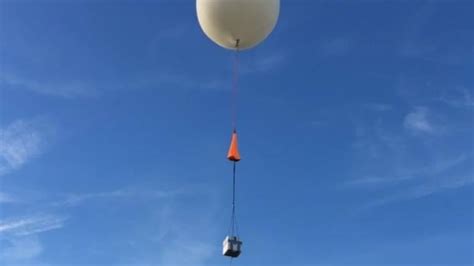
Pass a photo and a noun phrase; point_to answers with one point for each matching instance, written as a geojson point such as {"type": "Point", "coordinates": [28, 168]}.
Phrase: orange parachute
{"type": "Point", "coordinates": [233, 154]}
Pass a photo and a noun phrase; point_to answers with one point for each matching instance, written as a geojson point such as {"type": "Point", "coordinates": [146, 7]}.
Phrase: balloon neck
{"type": "Point", "coordinates": [237, 43]}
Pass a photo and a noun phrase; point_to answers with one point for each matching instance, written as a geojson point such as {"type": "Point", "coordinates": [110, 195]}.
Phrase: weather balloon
{"type": "Point", "coordinates": [237, 24]}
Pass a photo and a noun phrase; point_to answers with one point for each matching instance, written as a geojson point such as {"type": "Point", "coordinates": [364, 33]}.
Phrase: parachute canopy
{"type": "Point", "coordinates": [243, 22]}
{"type": "Point", "coordinates": [233, 154]}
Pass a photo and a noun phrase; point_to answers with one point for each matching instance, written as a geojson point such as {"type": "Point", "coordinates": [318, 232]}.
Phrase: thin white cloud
{"type": "Point", "coordinates": [197, 252]}
{"type": "Point", "coordinates": [425, 190]}
{"type": "Point", "coordinates": [436, 167]}
{"type": "Point", "coordinates": [412, 49]}
{"type": "Point", "coordinates": [67, 89]}
{"type": "Point", "coordinates": [21, 141]}
{"type": "Point", "coordinates": [77, 199]}
{"type": "Point", "coordinates": [269, 62]}
{"type": "Point", "coordinates": [183, 227]}
{"type": "Point", "coordinates": [198, 221]}
{"type": "Point", "coordinates": [20, 249]}
{"type": "Point", "coordinates": [174, 80]}
{"type": "Point", "coordinates": [378, 107]}
{"type": "Point", "coordinates": [377, 181]}
{"type": "Point", "coordinates": [7, 198]}
{"type": "Point", "coordinates": [264, 63]}
{"type": "Point", "coordinates": [337, 47]}
{"type": "Point", "coordinates": [179, 79]}
{"type": "Point", "coordinates": [31, 225]}
{"type": "Point", "coordinates": [418, 121]}
{"type": "Point", "coordinates": [175, 215]}
{"type": "Point", "coordinates": [127, 193]}
{"type": "Point", "coordinates": [433, 52]}
{"type": "Point", "coordinates": [177, 31]}
{"type": "Point", "coordinates": [180, 221]}
{"type": "Point", "coordinates": [390, 162]}
{"type": "Point", "coordinates": [440, 166]}
{"type": "Point", "coordinates": [459, 98]}
{"type": "Point", "coordinates": [412, 46]}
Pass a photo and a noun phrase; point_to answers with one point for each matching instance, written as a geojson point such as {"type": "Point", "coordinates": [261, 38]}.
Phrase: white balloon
{"type": "Point", "coordinates": [248, 21]}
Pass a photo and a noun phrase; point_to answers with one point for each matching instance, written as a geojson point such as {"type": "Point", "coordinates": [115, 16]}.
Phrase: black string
{"type": "Point", "coordinates": [234, 228]}
{"type": "Point", "coordinates": [233, 198]}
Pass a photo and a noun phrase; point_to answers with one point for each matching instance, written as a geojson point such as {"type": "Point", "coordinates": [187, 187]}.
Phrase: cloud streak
{"type": "Point", "coordinates": [378, 107]}
{"type": "Point", "coordinates": [435, 168]}
{"type": "Point", "coordinates": [31, 225]}
{"type": "Point", "coordinates": [19, 234]}
{"type": "Point", "coordinates": [462, 98]}
{"type": "Point", "coordinates": [389, 160]}
{"type": "Point", "coordinates": [20, 250]}
{"type": "Point", "coordinates": [340, 46]}
{"type": "Point", "coordinates": [417, 121]}
{"type": "Point", "coordinates": [425, 190]}
{"type": "Point", "coordinates": [69, 89]}
{"type": "Point", "coordinates": [21, 141]}
{"type": "Point", "coordinates": [264, 63]}
{"type": "Point", "coordinates": [181, 221]}
{"type": "Point", "coordinates": [127, 193]}
{"type": "Point", "coordinates": [177, 221]}
{"type": "Point", "coordinates": [6, 198]}
{"type": "Point", "coordinates": [170, 217]}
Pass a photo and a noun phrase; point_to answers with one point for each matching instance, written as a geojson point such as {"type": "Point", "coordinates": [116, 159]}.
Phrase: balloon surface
{"type": "Point", "coordinates": [248, 21]}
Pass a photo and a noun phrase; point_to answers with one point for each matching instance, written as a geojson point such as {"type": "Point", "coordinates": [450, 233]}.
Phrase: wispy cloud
{"type": "Point", "coordinates": [6, 198]}
{"type": "Point", "coordinates": [126, 193]}
{"type": "Point", "coordinates": [66, 89]}
{"type": "Point", "coordinates": [20, 249]}
{"type": "Point", "coordinates": [31, 225]}
{"type": "Point", "coordinates": [337, 47]}
{"type": "Point", "coordinates": [20, 240]}
{"type": "Point", "coordinates": [378, 107]}
{"type": "Point", "coordinates": [174, 216]}
{"type": "Point", "coordinates": [197, 251]}
{"type": "Point", "coordinates": [264, 63]}
{"type": "Point", "coordinates": [181, 221]}
{"type": "Point", "coordinates": [412, 49]}
{"type": "Point", "coordinates": [417, 45]}
{"type": "Point", "coordinates": [176, 32]}
{"type": "Point", "coordinates": [418, 121]}
{"type": "Point", "coordinates": [436, 167]}
{"type": "Point", "coordinates": [430, 51]}
{"type": "Point", "coordinates": [21, 141]}
{"type": "Point", "coordinates": [424, 190]}
{"type": "Point", "coordinates": [388, 160]}
{"type": "Point", "coordinates": [155, 78]}
{"type": "Point", "coordinates": [377, 181]}
{"type": "Point", "coordinates": [459, 98]}
{"type": "Point", "coordinates": [175, 229]}
{"type": "Point", "coordinates": [174, 80]}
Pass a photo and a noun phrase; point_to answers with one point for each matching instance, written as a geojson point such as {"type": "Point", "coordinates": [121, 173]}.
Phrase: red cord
{"type": "Point", "coordinates": [235, 85]}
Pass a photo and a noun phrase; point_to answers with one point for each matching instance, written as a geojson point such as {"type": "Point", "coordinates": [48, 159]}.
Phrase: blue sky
{"type": "Point", "coordinates": [355, 128]}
